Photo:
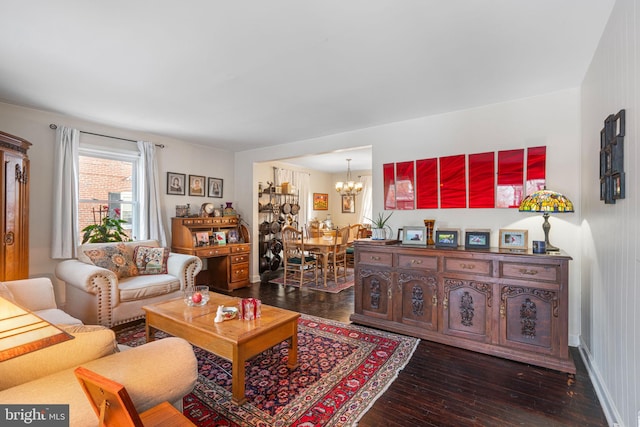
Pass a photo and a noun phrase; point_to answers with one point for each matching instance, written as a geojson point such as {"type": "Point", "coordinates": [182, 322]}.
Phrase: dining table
{"type": "Point", "coordinates": [320, 245]}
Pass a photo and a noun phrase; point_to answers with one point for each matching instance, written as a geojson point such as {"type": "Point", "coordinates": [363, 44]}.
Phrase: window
{"type": "Point", "coordinates": [108, 186]}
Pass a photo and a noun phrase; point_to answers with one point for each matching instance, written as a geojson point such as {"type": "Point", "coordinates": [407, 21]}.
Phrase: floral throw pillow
{"type": "Point", "coordinates": [151, 260]}
{"type": "Point", "coordinates": [115, 258]}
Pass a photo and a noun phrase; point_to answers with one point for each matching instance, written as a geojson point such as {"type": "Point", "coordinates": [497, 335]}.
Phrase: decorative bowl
{"type": "Point", "coordinates": [229, 313]}
{"type": "Point", "coordinates": [197, 296]}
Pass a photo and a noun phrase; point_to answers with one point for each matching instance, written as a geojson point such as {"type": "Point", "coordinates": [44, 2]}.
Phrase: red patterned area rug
{"type": "Point", "coordinates": [332, 286]}
{"type": "Point", "coordinates": [342, 370]}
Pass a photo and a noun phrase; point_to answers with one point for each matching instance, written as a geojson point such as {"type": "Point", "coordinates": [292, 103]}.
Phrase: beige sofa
{"type": "Point", "coordinates": [163, 370]}
{"type": "Point", "coordinates": [97, 295]}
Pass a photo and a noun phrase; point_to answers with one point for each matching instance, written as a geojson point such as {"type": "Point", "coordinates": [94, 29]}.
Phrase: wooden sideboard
{"type": "Point", "coordinates": [508, 304]}
{"type": "Point", "coordinates": [226, 266]}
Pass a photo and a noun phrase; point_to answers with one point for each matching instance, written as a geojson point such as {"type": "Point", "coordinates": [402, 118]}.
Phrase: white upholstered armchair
{"type": "Point", "coordinates": [109, 283]}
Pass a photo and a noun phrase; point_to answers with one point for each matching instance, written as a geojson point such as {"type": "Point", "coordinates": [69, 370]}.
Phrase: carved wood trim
{"type": "Point", "coordinates": [549, 296]}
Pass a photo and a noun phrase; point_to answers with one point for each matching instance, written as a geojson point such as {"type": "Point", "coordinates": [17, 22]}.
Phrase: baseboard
{"type": "Point", "coordinates": [574, 340]}
{"type": "Point", "coordinates": [608, 407]}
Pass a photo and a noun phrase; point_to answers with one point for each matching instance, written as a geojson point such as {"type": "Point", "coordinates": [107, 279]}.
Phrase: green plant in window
{"type": "Point", "coordinates": [108, 229]}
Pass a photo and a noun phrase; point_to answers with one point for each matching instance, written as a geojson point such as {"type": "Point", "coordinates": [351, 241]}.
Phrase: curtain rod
{"type": "Point", "coordinates": [54, 126]}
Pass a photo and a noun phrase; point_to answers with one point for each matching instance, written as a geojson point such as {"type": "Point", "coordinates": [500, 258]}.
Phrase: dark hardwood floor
{"type": "Point", "coordinates": [447, 386]}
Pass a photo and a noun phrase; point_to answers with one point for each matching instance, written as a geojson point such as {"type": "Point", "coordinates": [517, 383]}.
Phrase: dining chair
{"type": "Point", "coordinates": [297, 259]}
{"type": "Point", "coordinates": [338, 257]}
{"type": "Point", "coordinates": [114, 407]}
{"type": "Point", "coordinates": [356, 231]}
{"type": "Point", "coordinates": [310, 234]}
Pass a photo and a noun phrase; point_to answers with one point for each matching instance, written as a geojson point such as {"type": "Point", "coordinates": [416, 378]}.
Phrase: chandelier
{"type": "Point", "coordinates": [348, 188]}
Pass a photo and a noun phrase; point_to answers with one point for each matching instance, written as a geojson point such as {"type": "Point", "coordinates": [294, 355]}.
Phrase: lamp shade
{"type": "Point", "coordinates": [546, 201]}
{"type": "Point", "coordinates": [22, 332]}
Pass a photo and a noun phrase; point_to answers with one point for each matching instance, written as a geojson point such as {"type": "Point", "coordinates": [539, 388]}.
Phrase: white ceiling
{"type": "Point", "coordinates": [246, 74]}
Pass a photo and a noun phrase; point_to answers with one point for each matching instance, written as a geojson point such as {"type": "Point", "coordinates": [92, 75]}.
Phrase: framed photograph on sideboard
{"type": "Point", "coordinates": [477, 239]}
{"type": "Point", "coordinates": [513, 239]}
{"type": "Point", "coordinates": [447, 238]}
{"type": "Point", "coordinates": [414, 235]}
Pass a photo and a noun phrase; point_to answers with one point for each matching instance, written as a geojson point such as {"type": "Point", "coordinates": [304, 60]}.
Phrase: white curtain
{"type": "Point", "coordinates": [302, 181]}
{"type": "Point", "coordinates": [65, 236]}
{"type": "Point", "coordinates": [150, 210]}
{"type": "Point", "coordinates": [367, 200]}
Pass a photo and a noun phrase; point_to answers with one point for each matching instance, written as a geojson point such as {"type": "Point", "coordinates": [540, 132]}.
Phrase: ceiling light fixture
{"type": "Point", "coordinates": [348, 188]}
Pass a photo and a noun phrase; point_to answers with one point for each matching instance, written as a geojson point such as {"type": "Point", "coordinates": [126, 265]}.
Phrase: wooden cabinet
{"type": "Point", "coordinates": [507, 304]}
{"type": "Point", "coordinates": [14, 204]}
{"type": "Point", "coordinates": [226, 267]}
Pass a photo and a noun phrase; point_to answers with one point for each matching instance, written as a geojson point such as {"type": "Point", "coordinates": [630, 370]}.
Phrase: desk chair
{"type": "Point", "coordinates": [114, 407]}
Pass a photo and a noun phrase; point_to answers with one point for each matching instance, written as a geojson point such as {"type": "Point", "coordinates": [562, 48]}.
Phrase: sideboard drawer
{"type": "Point", "coordinates": [212, 251]}
{"type": "Point", "coordinates": [238, 258]}
{"type": "Point", "coordinates": [376, 258]}
{"type": "Point", "coordinates": [417, 261]}
{"type": "Point", "coordinates": [483, 267]}
{"type": "Point", "coordinates": [239, 272]}
{"type": "Point", "coordinates": [240, 248]}
{"type": "Point", "coordinates": [534, 272]}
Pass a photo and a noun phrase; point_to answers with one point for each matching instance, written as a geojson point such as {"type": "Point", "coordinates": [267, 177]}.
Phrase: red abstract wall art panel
{"type": "Point", "coordinates": [453, 188]}
{"type": "Point", "coordinates": [536, 169]}
{"type": "Point", "coordinates": [405, 193]}
{"type": "Point", "coordinates": [389, 173]}
{"type": "Point", "coordinates": [427, 184]}
{"type": "Point", "coordinates": [482, 180]}
{"type": "Point", "coordinates": [510, 178]}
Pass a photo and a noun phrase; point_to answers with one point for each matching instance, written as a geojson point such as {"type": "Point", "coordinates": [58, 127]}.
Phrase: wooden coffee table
{"type": "Point", "coordinates": [235, 340]}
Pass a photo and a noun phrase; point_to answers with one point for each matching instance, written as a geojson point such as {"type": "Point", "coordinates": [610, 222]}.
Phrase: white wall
{"type": "Point", "coordinates": [610, 267]}
{"type": "Point", "coordinates": [177, 156]}
{"type": "Point", "coordinates": [551, 120]}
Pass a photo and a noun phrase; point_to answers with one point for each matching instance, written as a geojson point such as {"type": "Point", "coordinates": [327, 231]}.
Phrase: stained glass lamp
{"type": "Point", "coordinates": [547, 202]}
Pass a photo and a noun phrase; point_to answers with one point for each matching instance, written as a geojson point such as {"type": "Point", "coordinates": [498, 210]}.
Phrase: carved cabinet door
{"type": "Point", "coordinates": [419, 303]}
{"type": "Point", "coordinates": [467, 308]}
{"type": "Point", "coordinates": [529, 319]}
{"type": "Point", "coordinates": [376, 297]}
{"type": "Point", "coordinates": [14, 249]}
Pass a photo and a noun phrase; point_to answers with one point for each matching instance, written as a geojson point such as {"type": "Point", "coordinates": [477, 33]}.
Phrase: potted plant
{"type": "Point", "coordinates": [379, 226]}
{"type": "Point", "coordinates": [107, 230]}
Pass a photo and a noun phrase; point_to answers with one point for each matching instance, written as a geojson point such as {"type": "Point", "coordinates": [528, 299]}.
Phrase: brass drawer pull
{"type": "Point", "coordinates": [528, 272]}
{"type": "Point", "coordinates": [445, 303]}
{"type": "Point", "coordinates": [416, 261]}
{"type": "Point", "coordinates": [375, 258]}
{"type": "Point", "coordinates": [467, 266]}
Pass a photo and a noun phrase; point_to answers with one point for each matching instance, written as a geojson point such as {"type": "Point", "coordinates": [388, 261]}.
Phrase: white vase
{"type": "Point", "coordinates": [378, 234]}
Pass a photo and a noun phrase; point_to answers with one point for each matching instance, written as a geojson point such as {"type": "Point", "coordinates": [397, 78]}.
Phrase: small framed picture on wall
{"type": "Point", "coordinates": [196, 185]}
{"type": "Point", "coordinates": [215, 187]}
{"type": "Point", "coordinates": [348, 204]}
{"type": "Point", "coordinates": [320, 201]}
{"type": "Point", "coordinates": [175, 183]}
